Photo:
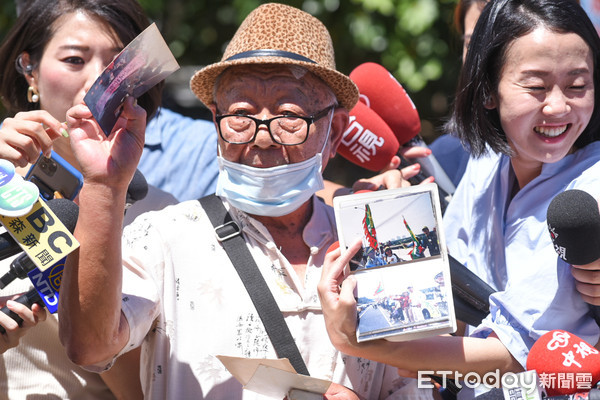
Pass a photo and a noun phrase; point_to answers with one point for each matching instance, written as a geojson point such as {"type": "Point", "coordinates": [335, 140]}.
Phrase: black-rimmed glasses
{"type": "Point", "coordinates": [287, 130]}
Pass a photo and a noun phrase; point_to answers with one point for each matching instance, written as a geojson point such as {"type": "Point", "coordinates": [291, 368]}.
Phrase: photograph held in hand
{"type": "Point", "coordinates": [402, 268]}
{"type": "Point", "coordinates": [143, 63]}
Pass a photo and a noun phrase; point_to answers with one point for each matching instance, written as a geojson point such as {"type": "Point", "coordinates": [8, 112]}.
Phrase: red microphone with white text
{"type": "Point", "coordinates": [370, 143]}
{"type": "Point", "coordinates": [382, 93]}
{"type": "Point", "coordinates": [566, 365]}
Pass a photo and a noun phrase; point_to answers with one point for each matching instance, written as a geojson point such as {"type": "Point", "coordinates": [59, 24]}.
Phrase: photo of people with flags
{"type": "Point", "coordinates": [394, 301]}
{"type": "Point", "coordinates": [400, 268]}
{"type": "Point", "coordinates": [385, 228]}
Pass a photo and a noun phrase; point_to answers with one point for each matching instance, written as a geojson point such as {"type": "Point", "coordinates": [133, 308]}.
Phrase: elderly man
{"type": "Point", "coordinates": [280, 108]}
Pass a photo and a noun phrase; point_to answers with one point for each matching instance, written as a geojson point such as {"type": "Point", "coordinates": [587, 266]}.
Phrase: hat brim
{"type": "Point", "coordinates": [203, 81]}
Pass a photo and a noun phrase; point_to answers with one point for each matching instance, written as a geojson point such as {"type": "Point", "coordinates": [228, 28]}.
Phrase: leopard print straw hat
{"type": "Point", "coordinates": [279, 34]}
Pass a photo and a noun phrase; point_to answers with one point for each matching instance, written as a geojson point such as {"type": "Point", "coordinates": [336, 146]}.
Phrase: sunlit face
{"type": "Point", "coordinates": [545, 96]}
{"type": "Point", "coordinates": [268, 91]}
{"type": "Point", "coordinates": [471, 17]}
{"type": "Point", "coordinates": [82, 46]}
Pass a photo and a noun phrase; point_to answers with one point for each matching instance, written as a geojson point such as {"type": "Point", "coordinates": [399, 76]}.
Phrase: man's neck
{"type": "Point", "coordinates": [291, 224]}
{"type": "Point", "coordinates": [287, 232]}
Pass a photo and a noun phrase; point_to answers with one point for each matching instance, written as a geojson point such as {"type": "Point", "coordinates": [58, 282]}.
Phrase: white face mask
{"type": "Point", "coordinates": [273, 191]}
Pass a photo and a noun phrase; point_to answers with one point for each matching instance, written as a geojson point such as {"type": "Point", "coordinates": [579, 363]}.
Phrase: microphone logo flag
{"type": "Point", "coordinates": [560, 339]}
{"type": "Point", "coordinates": [361, 142]}
{"type": "Point", "coordinates": [17, 196]}
{"type": "Point", "coordinates": [560, 250]}
{"type": "Point", "coordinates": [47, 283]}
{"type": "Point", "coordinates": [41, 235]}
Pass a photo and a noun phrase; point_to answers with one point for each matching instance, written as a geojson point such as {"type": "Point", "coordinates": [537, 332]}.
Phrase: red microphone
{"type": "Point", "coordinates": [368, 141]}
{"type": "Point", "coordinates": [565, 363]}
{"type": "Point", "coordinates": [380, 91]}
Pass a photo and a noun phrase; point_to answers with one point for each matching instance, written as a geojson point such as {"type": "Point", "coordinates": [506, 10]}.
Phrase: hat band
{"type": "Point", "coordinates": [270, 53]}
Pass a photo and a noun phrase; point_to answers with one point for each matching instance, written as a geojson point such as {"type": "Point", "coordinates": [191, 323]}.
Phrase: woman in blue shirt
{"type": "Point", "coordinates": [526, 109]}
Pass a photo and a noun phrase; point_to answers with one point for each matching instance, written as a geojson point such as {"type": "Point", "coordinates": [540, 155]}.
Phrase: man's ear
{"type": "Point", "coordinates": [213, 110]}
{"type": "Point", "coordinates": [339, 123]}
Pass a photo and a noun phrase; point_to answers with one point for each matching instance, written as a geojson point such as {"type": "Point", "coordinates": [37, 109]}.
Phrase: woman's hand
{"type": "Point", "coordinates": [391, 177]}
{"type": "Point", "coordinates": [24, 136]}
{"type": "Point", "coordinates": [337, 298]}
{"type": "Point", "coordinates": [13, 332]}
{"type": "Point", "coordinates": [587, 281]}
{"type": "Point", "coordinates": [388, 178]}
{"type": "Point", "coordinates": [112, 159]}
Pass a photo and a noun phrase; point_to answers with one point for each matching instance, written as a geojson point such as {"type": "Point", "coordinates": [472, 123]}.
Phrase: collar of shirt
{"type": "Point", "coordinates": [319, 233]}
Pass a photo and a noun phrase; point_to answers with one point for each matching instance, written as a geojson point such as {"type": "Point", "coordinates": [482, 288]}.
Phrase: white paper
{"type": "Point", "coordinates": [271, 377]}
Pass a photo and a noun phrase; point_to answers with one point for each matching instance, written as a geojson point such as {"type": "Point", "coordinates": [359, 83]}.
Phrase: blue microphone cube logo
{"type": "Point", "coordinates": [47, 284]}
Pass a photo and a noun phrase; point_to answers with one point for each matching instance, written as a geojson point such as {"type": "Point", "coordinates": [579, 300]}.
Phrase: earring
{"type": "Point", "coordinates": [32, 95]}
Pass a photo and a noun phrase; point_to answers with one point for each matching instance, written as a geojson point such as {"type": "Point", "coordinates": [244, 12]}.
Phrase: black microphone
{"type": "Point", "coordinates": [137, 190]}
{"type": "Point", "coordinates": [45, 291]}
{"type": "Point", "coordinates": [8, 246]}
{"type": "Point", "coordinates": [67, 212]}
{"type": "Point", "coordinates": [471, 294]}
{"type": "Point", "coordinates": [574, 223]}
{"type": "Point", "coordinates": [27, 299]}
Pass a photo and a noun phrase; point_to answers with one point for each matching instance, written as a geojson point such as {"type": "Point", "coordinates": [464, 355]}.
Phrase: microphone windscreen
{"type": "Point", "coordinates": [574, 222]}
{"type": "Point", "coordinates": [8, 246]}
{"type": "Point", "coordinates": [380, 91]}
{"type": "Point", "coordinates": [558, 355]}
{"type": "Point", "coordinates": [367, 141]}
{"type": "Point", "coordinates": [66, 210]}
{"type": "Point", "coordinates": [138, 187]}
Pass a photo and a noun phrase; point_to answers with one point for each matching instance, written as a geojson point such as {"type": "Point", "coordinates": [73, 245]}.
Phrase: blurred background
{"type": "Point", "coordinates": [414, 39]}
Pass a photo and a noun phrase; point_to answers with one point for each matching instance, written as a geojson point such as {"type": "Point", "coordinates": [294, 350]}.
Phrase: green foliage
{"type": "Point", "coordinates": [409, 37]}
{"type": "Point", "coordinates": [413, 39]}
{"type": "Point", "coordinates": [7, 15]}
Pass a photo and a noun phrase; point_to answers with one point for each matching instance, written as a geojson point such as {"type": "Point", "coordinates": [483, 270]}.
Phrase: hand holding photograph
{"type": "Point", "coordinates": [143, 63]}
{"type": "Point", "coordinates": [402, 268]}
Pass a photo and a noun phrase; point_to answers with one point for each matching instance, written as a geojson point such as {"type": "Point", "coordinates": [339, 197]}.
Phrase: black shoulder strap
{"type": "Point", "coordinates": [229, 234]}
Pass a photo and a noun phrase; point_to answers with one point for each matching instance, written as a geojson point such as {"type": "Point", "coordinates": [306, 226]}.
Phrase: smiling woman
{"type": "Point", "coordinates": [544, 105]}
{"type": "Point", "coordinates": [526, 107]}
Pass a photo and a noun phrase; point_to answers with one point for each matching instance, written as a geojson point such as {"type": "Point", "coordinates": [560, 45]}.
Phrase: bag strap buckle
{"type": "Point", "coordinates": [227, 231]}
